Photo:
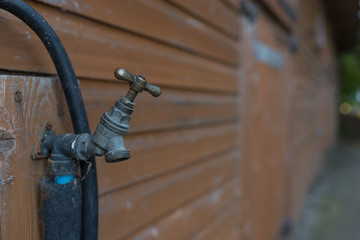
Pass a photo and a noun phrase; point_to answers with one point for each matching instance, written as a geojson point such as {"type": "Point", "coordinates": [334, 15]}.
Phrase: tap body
{"type": "Point", "coordinates": [68, 149]}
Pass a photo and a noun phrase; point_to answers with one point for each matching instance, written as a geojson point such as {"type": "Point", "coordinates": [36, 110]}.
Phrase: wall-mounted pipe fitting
{"type": "Point", "coordinates": [114, 124]}
{"type": "Point", "coordinates": [68, 150]}
{"type": "Point", "coordinates": [107, 139]}
{"type": "Point", "coordinates": [111, 129]}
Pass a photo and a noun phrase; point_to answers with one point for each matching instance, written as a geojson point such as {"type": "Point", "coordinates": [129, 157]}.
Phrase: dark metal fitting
{"type": "Point", "coordinates": [117, 156]}
{"type": "Point", "coordinates": [127, 101]}
{"type": "Point", "coordinates": [116, 150]}
{"type": "Point", "coordinates": [108, 137]}
{"type": "Point", "coordinates": [64, 146]}
{"type": "Point", "coordinates": [44, 143]}
{"type": "Point", "coordinates": [115, 123]}
{"type": "Point", "coordinates": [119, 127]}
{"type": "Point", "coordinates": [85, 148]}
{"type": "Point", "coordinates": [62, 167]}
{"type": "Point", "coordinates": [47, 140]}
{"type": "Point", "coordinates": [125, 105]}
{"type": "Point", "coordinates": [112, 126]}
{"type": "Point", "coordinates": [48, 126]}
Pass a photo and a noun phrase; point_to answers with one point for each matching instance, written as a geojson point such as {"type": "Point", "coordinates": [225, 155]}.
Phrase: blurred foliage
{"type": "Point", "coordinates": [350, 76]}
{"type": "Point", "coordinates": [349, 88]}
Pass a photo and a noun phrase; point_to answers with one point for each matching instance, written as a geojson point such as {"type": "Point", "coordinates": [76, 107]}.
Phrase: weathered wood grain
{"type": "Point", "coordinates": [265, 126]}
{"type": "Point", "coordinates": [20, 175]}
{"type": "Point", "coordinates": [159, 152]}
{"type": "Point", "coordinates": [212, 12]}
{"type": "Point", "coordinates": [53, 96]}
{"type": "Point", "coordinates": [158, 20]}
{"type": "Point", "coordinates": [233, 5]}
{"type": "Point", "coordinates": [182, 178]}
{"type": "Point", "coordinates": [96, 50]}
{"type": "Point", "coordinates": [124, 211]}
{"type": "Point", "coordinates": [223, 226]}
{"type": "Point", "coordinates": [188, 219]}
{"type": "Point", "coordinates": [174, 109]}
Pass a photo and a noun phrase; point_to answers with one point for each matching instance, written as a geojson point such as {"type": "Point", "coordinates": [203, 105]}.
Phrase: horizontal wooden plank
{"type": "Point", "coordinates": [160, 21]}
{"type": "Point", "coordinates": [173, 109]}
{"type": "Point", "coordinates": [187, 219]}
{"type": "Point", "coordinates": [303, 138]}
{"type": "Point", "coordinates": [156, 153]}
{"type": "Point", "coordinates": [213, 12]}
{"type": "Point", "coordinates": [96, 50]}
{"type": "Point", "coordinates": [234, 5]}
{"type": "Point", "coordinates": [280, 13]}
{"type": "Point", "coordinates": [223, 226]}
{"type": "Point", "coordinates": [124, 211]}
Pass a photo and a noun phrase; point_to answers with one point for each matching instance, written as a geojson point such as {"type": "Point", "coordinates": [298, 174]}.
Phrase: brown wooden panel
{"type": "Point", "coordinates": [160, 21]}
{"type": "Point", "coordinates": [173, 109]}
{"type": "Point", "coordinates": [232, 4]}
{"type": "Point", "coordinates": [155, 153]}
{"type": "Point", "coordinates": [214, 12]}
{"type": "Point", "coordinates": [280, 13]}
{"type": "Point", "coordinates": [265, 129]}
{"type": "Point", "coordinates": [213, 172]}
{"type": "Point", "coordinates": [24, 122]}
{"type": "Point", "coordinates": [128, 209]}
{"type": "Point", "coordinates": [223, 226]}
{"type": "Point", "coordinates": [304, 167]}
{"type": "Point", "coordinates": [309, 106]}
{"type": "Point", "coordinates": [188, 219]}
{"type": "Point", "coordinates": [96, 50]}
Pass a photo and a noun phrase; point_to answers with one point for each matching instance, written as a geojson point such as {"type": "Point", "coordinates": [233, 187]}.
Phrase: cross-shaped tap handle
{"type": "Point", "coordinates": [137, 84]}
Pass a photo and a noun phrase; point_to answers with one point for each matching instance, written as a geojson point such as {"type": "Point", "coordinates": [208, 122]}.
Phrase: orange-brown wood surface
{"type": "Point", "coordinates": [278, 169]}
{"type": "Point", "coordinates": [212, 11]}
{"type": "Point", "coordinates": [190, 217]}
{"type": "Point", "coordinates": [185, 153]}
{"type": "Point", "coordinates": [20, 175]}
{"type": "Point", "coordinates": [265, 120]}
{"type": "Point", "coordinates": [97, 49]}
{"type": "Point", "coordinates": [227, 151]}
{"type": "Point", "coordinates": [280, 13]}
{"type": "Point", "coordinates": [145, 18]}
{"type": "Point", "coordinates": [313, 118]}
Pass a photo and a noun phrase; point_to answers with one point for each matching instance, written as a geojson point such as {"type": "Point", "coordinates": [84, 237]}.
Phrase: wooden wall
{"type": "Point", "coordinates": [289, 113]}
{"type": "Point", "coordinates": [314, 112]}
{"type": "Point", "coordinates": [229, 149]}
{"type": "Point", "coordinates": [182, 180]}
{"type": "Point", "coordinates": [265, 123]}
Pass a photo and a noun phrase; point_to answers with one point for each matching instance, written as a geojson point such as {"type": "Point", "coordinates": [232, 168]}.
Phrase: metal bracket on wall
{"type": "Point", "coordinates": [46, 138]}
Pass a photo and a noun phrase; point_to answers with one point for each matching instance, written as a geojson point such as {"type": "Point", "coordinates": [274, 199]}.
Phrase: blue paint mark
{"type": "Point", "coordinates": [64, 179]}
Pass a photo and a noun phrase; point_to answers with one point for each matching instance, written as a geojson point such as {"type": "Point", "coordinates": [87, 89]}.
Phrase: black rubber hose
{"type": "Point", "coordinates": [74, 101]}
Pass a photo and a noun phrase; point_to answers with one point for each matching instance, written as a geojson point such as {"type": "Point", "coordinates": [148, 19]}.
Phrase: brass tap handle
{"type": "Point", "coordinates": [124, 75]}
{"type": "Point", "coordinates": [137, 82]}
